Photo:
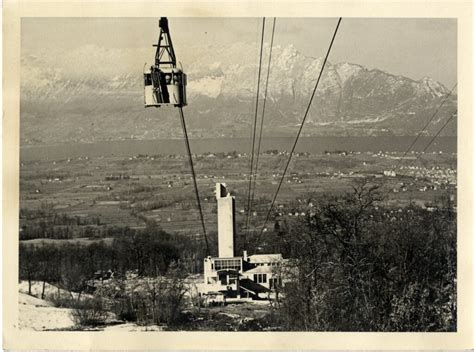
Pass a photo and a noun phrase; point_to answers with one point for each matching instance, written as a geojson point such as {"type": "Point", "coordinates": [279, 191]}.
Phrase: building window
{"type": "Point", "coordinates": [274, 282]}
{"type": "Point", "coordinates": [227, 264]}
{"type": "Point", "coordinates": [260, 278]}
{"type": "Point", "coordinates": [147, 79]}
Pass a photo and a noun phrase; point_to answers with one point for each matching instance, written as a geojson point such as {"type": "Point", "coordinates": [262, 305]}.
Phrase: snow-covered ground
{"type": "Point", "coordinates": [37, 288]}
{"type": "Point", "coordinates": [39, 314]}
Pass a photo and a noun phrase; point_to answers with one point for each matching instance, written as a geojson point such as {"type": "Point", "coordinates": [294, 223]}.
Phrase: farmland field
{"type": "Point", "coordinates": [111, 191]}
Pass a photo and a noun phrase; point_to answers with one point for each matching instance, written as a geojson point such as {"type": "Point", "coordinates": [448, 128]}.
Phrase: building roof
{"type": "Point", "coordinates": [264, 258]}
{"type": "Point", "coordinates": [253, 287]}
{"type": "Point", "coordinates": [228, 272]}
{"type": "Point", "coordinates": [260, 270]}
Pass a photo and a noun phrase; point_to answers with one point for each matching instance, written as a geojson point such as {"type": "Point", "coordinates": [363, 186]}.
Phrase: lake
{"type": "Point", "coordinates": [312, 145]}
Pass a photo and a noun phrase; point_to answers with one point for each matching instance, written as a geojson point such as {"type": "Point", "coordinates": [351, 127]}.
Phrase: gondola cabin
{"type": "Point", "coordinates": [165, 87]}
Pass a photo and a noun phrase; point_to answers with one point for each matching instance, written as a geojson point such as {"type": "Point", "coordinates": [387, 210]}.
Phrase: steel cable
{"type": "Point", "coordinates": [263, 117]}
{"type": "Point", "coordinates": [188, 148]}
{"type": "Point", "coordinates": [426, 125]}
{"type": "Point", "coordinates": [299, 132]}
{"type": "Point", "coordinates": [254, 134]}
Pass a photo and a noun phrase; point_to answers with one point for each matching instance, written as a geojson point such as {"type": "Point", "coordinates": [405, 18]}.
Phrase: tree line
{"type": "Point", "coordinates": [45, 223]}
{"type": "Point", "coordinates": [356, 265]}
{"type": "Point", "coordinates": [68, 265]}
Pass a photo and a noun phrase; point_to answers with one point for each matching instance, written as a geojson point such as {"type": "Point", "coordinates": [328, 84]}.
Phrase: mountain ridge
{"type": "Point", "coordinates": [75, 100]}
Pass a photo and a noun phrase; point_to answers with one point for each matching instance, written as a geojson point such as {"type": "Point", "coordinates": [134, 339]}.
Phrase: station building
{"type": "Point", "coordinates": [243, 277]}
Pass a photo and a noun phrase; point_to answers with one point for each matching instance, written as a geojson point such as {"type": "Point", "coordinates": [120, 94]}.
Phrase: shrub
{"type": "Point", "coordinates": [63, 302]}
{"type": "Point", "coordinates": [90, 312]}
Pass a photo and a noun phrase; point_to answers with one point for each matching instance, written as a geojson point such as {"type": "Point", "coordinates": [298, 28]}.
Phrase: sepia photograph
{"type": "Point", "coordinates": [272, 174]}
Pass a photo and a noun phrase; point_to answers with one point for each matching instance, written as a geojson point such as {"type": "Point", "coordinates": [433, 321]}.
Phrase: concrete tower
{"type": "Point", "coordinates": [225, 221]}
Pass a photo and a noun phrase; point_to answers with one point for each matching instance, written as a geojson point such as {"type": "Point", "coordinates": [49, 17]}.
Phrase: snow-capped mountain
{"type": "Point", "coordinates": [91, 94]}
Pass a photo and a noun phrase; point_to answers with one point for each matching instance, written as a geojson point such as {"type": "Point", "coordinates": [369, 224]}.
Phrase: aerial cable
{"type": "Point", "coordinates": [424, 128]}
{"type": "Point", "coordinates": [433, 138]}
{"type": "Point", "coordinates": [188, 148]}
{"type": "Point", "coordinates": [263, 116]}
{"type": "Point", "coordinates": [254, 132]}
{"type": "Point", "coordinates": [299, 131]}
{"type": "Point", "coordinates": [164, 77]}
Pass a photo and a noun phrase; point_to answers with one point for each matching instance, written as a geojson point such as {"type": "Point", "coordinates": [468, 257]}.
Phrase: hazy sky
{"type": "Point", "coordinates": [410, 47]}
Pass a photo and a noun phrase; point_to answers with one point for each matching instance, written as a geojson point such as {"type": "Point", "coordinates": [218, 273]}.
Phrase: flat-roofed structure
{"type": "Point", "coordinates": [246, 276]}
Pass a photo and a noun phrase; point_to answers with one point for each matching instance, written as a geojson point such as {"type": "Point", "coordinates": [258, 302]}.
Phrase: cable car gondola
{"type": "Point", "coordinates": [165, 84]}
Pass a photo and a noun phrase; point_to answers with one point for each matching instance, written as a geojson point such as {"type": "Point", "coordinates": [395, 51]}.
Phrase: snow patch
{"type": "Point", "coordinates": [346, 70]}
{"type": "Point", "coordinates": [208, 86]}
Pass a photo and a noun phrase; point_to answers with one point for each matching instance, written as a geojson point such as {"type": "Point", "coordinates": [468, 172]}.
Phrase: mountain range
{"type": "Point", "coordinates": [94, 94]}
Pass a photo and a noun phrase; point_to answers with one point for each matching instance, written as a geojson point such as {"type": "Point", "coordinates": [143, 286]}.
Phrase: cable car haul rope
{"type": "Point", "coordinates": [165, 85]}
{"type": "Point", "coordinates": [249, 203]}
{"type": "Point", "coordinates": [299, 132]}
{"type": "Point", "coordinates": [254, 169]}
{"type": "Point", "coordinates": [191, 165]}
